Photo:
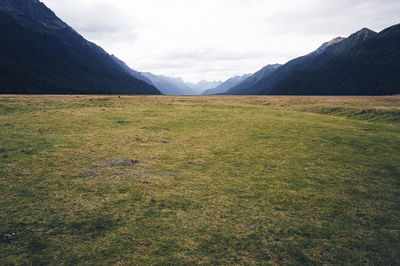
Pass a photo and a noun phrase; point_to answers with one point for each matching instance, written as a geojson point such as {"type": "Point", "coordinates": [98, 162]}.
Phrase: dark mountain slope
{"type": "Point", "coordinates": [244, 87]}
{"type": "Point", "coordinates": [318, 58]}
{"type": "Point", "coordinates": [34, 14]}
{"type": "Point", "coordinates": [370, 68]}
{"type": "Point", "coordinates": [41, 54]}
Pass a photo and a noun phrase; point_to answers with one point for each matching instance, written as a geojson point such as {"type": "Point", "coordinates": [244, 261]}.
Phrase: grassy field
{"type": "Point", "coordinates": [199, 180]}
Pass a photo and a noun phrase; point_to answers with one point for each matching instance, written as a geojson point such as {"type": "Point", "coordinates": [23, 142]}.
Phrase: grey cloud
{"type": "Point", "coordinates": [211, 55]}
{"type": "Point", "coordinates": [279, 35]}
{"type": "Point", "coordinates": [100, 20]}
{"type": "Point", "coordinates": [335, 17]}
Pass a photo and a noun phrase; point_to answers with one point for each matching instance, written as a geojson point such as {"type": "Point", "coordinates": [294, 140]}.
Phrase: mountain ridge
{"type": "Point", "coordinates": [177, 86]}
{"type": "Point", "coordinates": [228, 84]}
{"type": "Point", "coordinates": [253, 79]}
{"type": "Point", "coordinates": [313, 60]}
{"type": "Point", "coordinates": [131, 71]}
{"type": "Point", "coordinates": [63, 62]}
{"type": "Point", "coordinates": [369, 68]}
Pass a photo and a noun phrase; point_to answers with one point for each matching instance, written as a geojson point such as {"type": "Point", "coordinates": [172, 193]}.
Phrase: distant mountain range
{"type": "Point", "coordinates": [168, 85]}
{"type": "Point", "coordinates": [365, 63]}
{"type": "Point", "coordinates": [177, 86]}
{"type": "Point", "coordinates": [225, 86]}
{"type": "Point", "coordinates": [204, 85]}
{"type": "Point", "coordinates": [40, 54]}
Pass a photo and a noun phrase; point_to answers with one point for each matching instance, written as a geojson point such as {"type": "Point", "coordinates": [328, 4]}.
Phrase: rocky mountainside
{"type": "Point", "coordinates": [33, 13]}
{"type": "Point", "coordinates": [328, 51]}
{"type": "Point", "coordinates": [41, 54]}
{"type": "Point", "coordinates": [370, 68]}
{"type": "Point", "coordinates": [248, 83]}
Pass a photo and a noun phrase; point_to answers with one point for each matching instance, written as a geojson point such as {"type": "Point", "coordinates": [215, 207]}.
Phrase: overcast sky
{"type": "Point", "coordinates": [218, 39]}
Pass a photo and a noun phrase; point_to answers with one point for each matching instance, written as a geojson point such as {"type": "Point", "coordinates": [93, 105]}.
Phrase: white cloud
{"type": "Point", "coordinates": [217, 39]}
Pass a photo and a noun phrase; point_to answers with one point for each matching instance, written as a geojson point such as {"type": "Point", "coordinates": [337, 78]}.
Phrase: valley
{"type": "Point", "coordinates": [199, 180]}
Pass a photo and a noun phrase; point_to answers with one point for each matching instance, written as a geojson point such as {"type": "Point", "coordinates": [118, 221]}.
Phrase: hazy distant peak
{"type": "Point", "coordinates": [204, 85]}
{"type": "Point", "coordinates": [228, 84]}
{"type": "Point", "coordinates": [203, 81]}
{"type": "Point", "coordinates": [177, 86]}
{"type": "Point", "coordinates": [178, 79]}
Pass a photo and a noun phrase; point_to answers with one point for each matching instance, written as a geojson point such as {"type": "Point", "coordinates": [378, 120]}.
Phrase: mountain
{"type": "Point", "coordinates": [230, 83]}
{"type": "Point", "coordinates": [314, 60]}
{"type": "Point", "coordinates": [253, 79]}
{"type": "Point", "coordinates": [204, 85]}
{"type": "Point", "coordinates": [370, 68]}
{"type": "Point", "coordinates": [168, 85]}
{"type": "Point", "coordinates": [40, 54]}
{"type": "Point", "coordinates": [177, 86]}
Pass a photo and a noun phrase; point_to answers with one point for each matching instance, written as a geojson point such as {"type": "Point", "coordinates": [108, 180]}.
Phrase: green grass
{"type": "Point", "coordinates": [199, 180]}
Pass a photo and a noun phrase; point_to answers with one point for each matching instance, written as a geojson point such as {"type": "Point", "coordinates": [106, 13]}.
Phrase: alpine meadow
{"type": "Point", "coordinates": [212, 153]}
